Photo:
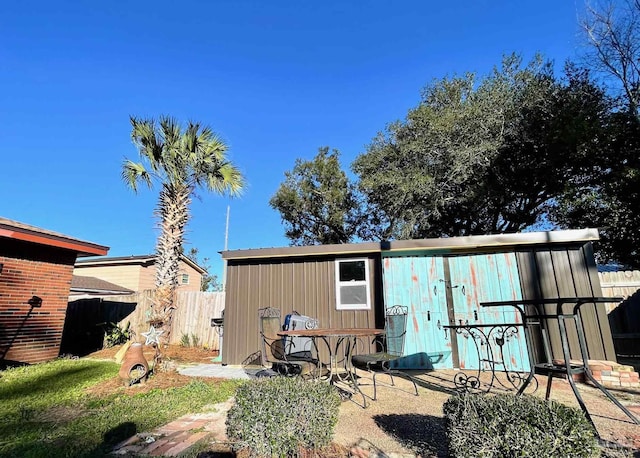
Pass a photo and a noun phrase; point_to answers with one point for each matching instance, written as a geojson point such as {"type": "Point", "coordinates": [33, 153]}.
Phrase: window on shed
{"type": "Point", "coordinates": [185, 279]}
{"type": "Point", "coordinates": [352, 284]}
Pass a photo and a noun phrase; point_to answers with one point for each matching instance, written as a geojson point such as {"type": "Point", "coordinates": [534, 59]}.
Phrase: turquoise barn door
{"type": "Point", "coordinates": [483, 278]}
{"type": "Point", "coordinates": [417, 283]}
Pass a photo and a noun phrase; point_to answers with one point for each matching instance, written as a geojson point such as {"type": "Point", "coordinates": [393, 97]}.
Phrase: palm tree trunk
{"type": "Point", "coordinates": [173, 210]}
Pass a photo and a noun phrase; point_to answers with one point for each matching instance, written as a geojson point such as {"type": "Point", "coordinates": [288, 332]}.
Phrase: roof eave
{"type": "Point", "coordinates": [80, 247]}
{"type": "Point", "coordinates": [447, 244]}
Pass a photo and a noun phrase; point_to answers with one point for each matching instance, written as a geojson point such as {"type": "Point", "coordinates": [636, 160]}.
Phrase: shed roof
{"type": "Point", "coordinates": [436, 245]}
{"type": "Point", "coordinates": [24, 232]}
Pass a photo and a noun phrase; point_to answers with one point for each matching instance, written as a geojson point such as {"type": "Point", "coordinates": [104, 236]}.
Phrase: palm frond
{"type": "Point", "coordinates": [133, 173]}
{"type": "Point", "coordinates": [226, 179]}
{"type": "Point", "coordinates": [150, 145]}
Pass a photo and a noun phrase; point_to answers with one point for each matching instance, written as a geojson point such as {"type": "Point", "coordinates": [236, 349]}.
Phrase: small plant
{"type": "Point", "coordinates": [278, 416]}
{"type": "Point", "coordinates": [115, 335]}
{"type": "Point", "coordinates": [195, 340]}
{"type": "Point", "coordinates": [185, 341]}
{"type": "Point", "coordinates": [507, 425]}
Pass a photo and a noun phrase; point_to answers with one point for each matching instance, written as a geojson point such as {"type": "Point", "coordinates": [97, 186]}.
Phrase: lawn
{"type": "Point", "coordinates": [78, 407]}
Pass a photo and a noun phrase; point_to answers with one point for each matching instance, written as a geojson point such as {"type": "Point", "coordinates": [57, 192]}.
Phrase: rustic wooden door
{"type": "Point", "coordinates": [417, 283]}
{"type": "Point", "coordinates": [481, 278]}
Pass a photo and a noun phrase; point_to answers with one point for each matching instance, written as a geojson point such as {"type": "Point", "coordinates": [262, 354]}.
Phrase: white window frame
{"type": "Point", "coordinates": [182, 278]}
{"type": "Point", "coordinates": [365, 282]}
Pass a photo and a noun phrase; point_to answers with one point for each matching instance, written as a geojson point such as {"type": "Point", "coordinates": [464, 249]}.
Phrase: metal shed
{"type": "Point", "coordinates": [441, 280]}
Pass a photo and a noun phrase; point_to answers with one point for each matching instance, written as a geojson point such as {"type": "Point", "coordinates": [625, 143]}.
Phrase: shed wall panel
{"type": "Point", "coordinates": [568, 271]}
{"type": "Point", "coordinates": [305, 285]}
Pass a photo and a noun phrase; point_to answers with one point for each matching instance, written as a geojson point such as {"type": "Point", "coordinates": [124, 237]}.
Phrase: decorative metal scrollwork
{"type": "Point", "coordinates": [490, 341]}
{"type": "Point", "coordinates": [466, 382]}
{"type": "Point", "coordinates": [397, 310]}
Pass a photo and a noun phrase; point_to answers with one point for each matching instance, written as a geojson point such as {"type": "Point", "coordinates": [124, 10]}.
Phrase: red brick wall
{"type": "Point", "coordinates": [33, 334]}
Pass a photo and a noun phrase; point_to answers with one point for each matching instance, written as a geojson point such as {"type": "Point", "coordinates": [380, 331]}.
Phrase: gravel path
{"type": "Point", "coordinates": [401, 423]}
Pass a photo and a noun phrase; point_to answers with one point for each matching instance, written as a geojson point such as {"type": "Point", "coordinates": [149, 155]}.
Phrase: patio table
{"type": "Point", "coordinates": [491, 341]}
{"type": "Point", "coordinates": [340, 345]}
{"type": "Point", "coordinates": [567, 368]}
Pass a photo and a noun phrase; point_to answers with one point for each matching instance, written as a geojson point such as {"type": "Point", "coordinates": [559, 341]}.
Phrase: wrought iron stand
{"type": "Point", "coordinates": [567, 368]}
{"type": "Point", "coordinates": [484, 336]}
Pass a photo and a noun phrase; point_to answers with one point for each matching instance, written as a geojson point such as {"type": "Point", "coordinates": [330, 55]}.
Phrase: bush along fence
{"type": "Point", "coordinates": [90, 321]}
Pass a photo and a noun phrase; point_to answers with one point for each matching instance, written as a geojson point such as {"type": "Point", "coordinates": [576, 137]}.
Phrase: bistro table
{"type": "Point", "coordinates": [491, 342]}
{"type": "Point", "coordinates": [340, 345]}
{"type": "Point", "coordinates": [567, 367]}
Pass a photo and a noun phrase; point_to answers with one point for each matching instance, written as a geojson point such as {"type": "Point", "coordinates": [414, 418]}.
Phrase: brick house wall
{"type": "Point", "coordinates": [33, 334]}
{"type": "Point", "coordinates": [36, 268]}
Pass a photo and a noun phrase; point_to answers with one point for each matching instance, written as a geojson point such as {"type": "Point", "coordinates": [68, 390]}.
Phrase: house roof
{"type": "Point", "coordinates": [24, 232]}
{"type": "Point", "coordinates": [146, 259]}
{"type": "Point", "coordinates": [92, 285]}
{"type": "Point", "coordinates": [435, 245]}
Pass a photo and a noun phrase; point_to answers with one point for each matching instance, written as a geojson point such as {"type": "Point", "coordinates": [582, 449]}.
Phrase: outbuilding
{"type": "Point", "coordinates": [36, 267]}
{"type": "Point", "coordinates": [441, 281]}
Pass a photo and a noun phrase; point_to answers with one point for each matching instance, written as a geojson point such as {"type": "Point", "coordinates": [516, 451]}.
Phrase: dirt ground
{"type": "Point", "coordinates": [174, 355]}
{"type": "Point", "coordinates": [403, 423]}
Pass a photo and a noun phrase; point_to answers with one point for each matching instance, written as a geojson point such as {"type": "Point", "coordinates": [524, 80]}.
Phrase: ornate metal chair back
{"type": "Point", "coordinates": [396, 329]}
{"type": "Point", "coordinates": [272, 344]}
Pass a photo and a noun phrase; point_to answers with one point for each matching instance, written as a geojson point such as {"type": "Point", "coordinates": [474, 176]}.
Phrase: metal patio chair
{"type": "Point", "coordinates": [392, 349]}
{"type": "Point", "coordinates": [281, 354]}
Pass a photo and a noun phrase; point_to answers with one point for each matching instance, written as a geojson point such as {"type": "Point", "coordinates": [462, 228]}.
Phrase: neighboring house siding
{"type": "Point", "coordinates": [147, 278]}
{"type": "Point", "coordinates": [129, 277]}
{"type": "Point", "coordinates": [195, 278]}
{"type": "Point", "coordinates": [137, 276]}
{"type": "Point", "coordinates": [27, 334]}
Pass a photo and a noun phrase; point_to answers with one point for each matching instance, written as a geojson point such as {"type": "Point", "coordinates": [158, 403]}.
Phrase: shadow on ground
{"type": "Point", "coordinates": [425, 435]}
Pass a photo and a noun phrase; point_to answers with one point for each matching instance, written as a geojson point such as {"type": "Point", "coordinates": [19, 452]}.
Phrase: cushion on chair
{"type": "Point", "coordinates": [373, 360]}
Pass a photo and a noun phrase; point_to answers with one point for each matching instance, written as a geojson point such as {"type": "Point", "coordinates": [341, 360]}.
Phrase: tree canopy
{"type": "Point", "coordinates": [521, 148]}
{"type": "Point", "coordinates": [317, 202]}
{"type": "Point", "coordinates": [487, 156]}
{"type": "Point", "coordinates": [613, 35]}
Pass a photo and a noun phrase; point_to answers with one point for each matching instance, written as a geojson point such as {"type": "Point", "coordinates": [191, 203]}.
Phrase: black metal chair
{"type": "Point", "coordinates": [280, 353]}
{"type": "Point", "coordinates": [393, 349]}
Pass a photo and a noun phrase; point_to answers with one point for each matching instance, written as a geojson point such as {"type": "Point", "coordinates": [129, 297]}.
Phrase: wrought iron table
{"type": "Point", "coordinates": [340, 369]}
{"type": "Point", "coordinates": [489, 341]}
{"type": "Point", "coordinates": [567, 368]}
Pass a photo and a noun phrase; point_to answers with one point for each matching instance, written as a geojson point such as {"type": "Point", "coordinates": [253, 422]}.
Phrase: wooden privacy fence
{"type": "Point", "coordinates": [624, 317]}
{"type": "Point", "coordinates": [86, 318]}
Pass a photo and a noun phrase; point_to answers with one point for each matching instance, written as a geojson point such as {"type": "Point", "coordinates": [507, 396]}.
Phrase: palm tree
{"type": "Point", "coordinates": [182, 161]}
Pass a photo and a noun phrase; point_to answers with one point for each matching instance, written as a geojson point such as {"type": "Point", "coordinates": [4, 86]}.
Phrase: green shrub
{"type": "Point", "coordinates": [277, 416]}
{"type": "Point", "coordinates": [195, 340]}
{"type": "Point", "coordinates": [185, 341]}
{"type": "Point", "coordinates": [115, 335]}
{"type": "Point", "coordinates": [512, 426]}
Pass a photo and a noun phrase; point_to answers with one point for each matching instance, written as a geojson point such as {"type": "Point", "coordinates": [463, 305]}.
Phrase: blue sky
{"type": "Point", "coordinates": [276, 80]}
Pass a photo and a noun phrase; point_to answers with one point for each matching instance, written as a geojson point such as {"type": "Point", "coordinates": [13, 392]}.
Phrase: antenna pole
{"type": "Point", "coordinates": [226, 245]}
